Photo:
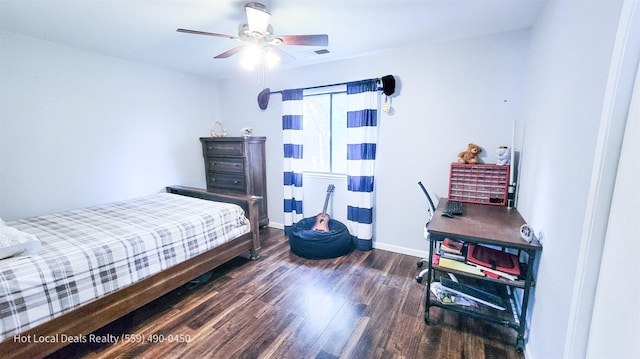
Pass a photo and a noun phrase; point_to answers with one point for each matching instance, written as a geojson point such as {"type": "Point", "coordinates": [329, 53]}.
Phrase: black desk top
{"type": "Point", "coordinates": [490, 224]}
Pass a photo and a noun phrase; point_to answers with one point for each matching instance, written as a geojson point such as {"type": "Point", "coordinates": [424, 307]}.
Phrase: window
{"type": "Point", "coordinates": [324, 130]}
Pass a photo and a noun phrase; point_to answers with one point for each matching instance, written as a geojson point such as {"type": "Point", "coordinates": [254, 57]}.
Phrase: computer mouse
{"type": "Point", "coordinates": [447, 214]}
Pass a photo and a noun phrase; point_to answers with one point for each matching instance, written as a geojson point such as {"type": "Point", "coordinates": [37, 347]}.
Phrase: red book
{"type": "Point", "coordinates": [493, 258]}
{"type": "Point", "coordinates": [451, 246]}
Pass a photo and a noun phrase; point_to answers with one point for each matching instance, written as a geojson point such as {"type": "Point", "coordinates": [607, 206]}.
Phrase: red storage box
{"type": "Point", "coordinates": [479, 183]}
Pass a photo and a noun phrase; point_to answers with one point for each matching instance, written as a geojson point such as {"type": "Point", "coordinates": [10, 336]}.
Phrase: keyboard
{"type": "Point", "coordinates": [473, 293]}
{"type": "Point", "coordinates": [453, 207]}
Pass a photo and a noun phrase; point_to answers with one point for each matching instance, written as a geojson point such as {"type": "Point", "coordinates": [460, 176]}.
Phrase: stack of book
{"type": "Point", "coordinates": [452, 255]}
{"type": "Point", "coordinates": [451, 249]}
{"type": "Point", "coordinates": [477, 259]}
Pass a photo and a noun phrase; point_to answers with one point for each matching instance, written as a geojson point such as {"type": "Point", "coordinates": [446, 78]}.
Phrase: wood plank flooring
{"type": "Point", "coordinates": [364, 305]}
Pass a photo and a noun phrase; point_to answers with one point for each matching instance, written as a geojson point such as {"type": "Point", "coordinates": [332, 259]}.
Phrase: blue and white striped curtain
{"type": "Point", "coordinates": [293, 166]}
{"type": "Point", "coordinates": [362, 136]}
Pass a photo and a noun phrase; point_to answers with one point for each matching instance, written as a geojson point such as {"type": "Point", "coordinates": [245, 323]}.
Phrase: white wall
{"type": "Point", "coordinates": [447, 95]}
{"type": "Point", "coordinates": [78, 128]}
{"type": "Point", "coordinates": [614, 322]}
{"type": "Point", "coordinates": [611, 323]}
{"type": "Point", "coordinates": [571, 47]}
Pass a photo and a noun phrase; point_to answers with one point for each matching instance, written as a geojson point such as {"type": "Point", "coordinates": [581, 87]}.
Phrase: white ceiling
{"type": "Point", "coordinates": [145, 30]}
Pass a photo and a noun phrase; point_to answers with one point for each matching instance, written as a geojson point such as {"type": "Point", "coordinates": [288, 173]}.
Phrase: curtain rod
{"type": "Point", "coordinates": [388, 87]}
{"type": "Point", "coordinates": [319, 86]}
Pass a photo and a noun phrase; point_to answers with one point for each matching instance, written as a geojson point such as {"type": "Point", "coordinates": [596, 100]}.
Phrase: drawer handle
{"type": "Point", "coordinates": [223, 148]}
{"type": "Point", "coordinates": [236, 182]}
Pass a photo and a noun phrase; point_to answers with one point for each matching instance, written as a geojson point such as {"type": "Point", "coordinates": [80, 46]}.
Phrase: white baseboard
{"type": "Point", "coordinates": [401, 250]}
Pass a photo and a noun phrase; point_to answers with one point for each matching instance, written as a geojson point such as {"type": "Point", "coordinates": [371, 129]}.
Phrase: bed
{"type": "Point", "coordinates": [96, 264]}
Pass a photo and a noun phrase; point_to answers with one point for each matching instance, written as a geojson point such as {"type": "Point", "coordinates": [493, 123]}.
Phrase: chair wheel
{"type": "Point", "coordinates": [419, 279]}
{"type": "Point", "coordinates": [419, 264]}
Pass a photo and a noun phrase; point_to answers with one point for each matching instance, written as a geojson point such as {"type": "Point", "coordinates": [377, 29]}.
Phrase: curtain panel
{"type": "Point", "coordinates": [293, 165]}
{"type": "Point", "coordinates": [362, 137]}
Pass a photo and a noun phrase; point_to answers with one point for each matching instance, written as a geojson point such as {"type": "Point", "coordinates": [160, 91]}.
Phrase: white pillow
{"type": "Point", "coordinates": [14, 242]}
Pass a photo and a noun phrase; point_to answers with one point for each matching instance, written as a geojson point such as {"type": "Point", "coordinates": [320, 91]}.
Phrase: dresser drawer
{"type": "Point", "coordinates": [228, 165]}
{"type": "Point", "coordinates": [223, 181]}
{"type": "Point", "coordinates": [223, 148]}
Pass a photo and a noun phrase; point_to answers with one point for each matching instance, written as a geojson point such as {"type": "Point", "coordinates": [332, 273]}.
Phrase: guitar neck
{"type": "Point", "coordinates": [330, 189]}
{"type": "Point", "coordinates": [326, 203]}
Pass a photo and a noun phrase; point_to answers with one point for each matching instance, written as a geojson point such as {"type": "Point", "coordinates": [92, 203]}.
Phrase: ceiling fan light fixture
{"type": "Point", "coordinates": [271, 58]}
{"type": "Point", "coordinates": [251, 57]}
{"type": "Point", "coordinates": [245, 33]}
{"type": "Point", "coordinates": [257, 18]}
{"type": "Point", "coordinates": [258, 43]}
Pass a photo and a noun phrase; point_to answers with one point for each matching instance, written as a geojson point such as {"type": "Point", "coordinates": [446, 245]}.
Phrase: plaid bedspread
{"type": "Point", "coordinates": [87, 253]}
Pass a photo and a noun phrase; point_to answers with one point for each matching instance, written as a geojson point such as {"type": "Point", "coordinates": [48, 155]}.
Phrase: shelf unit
{"type": "Point", "coordinates": [479, 183]}
{"type": "Point", "coordinates": [498, 227]}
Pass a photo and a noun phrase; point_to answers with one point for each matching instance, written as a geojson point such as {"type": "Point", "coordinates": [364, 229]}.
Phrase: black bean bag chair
{"type": "Point", "coordinates": [312, 244]}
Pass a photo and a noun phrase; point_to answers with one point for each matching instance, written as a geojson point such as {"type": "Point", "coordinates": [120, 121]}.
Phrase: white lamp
{"type": "Point", "coordinates": [251, 56]}
{"type": "Point", "coordinates": [271, 58]}
{"type": "Point", "coordinates": [254, 54]}
{"type": "Point", "coordinates": [258, 18]}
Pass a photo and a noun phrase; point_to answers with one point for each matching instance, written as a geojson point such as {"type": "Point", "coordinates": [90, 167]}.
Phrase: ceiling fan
{"type": "Point", "coordinates": [258, 31]}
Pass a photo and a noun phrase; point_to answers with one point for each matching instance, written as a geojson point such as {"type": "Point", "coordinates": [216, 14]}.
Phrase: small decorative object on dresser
{"type": "Point", "coordinates": [237, 165]}
{"type": "Point", "coordinates": [218, 130]}
{"type": "Point", "coordinates": [247, 131]}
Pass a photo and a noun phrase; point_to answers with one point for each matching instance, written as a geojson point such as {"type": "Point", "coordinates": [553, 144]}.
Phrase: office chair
{"type": "Point", "coordinates": [431, 210]}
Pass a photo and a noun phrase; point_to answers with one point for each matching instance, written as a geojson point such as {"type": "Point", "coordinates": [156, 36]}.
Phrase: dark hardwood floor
{"type": "Point", "coordinates": [364, 305]}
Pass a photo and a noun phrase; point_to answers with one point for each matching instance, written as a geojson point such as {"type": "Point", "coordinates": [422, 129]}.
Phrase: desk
{"type": "Point", "coordinates": [492, 225]}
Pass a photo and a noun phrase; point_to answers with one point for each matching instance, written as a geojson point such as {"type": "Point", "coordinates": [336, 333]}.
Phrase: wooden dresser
{"type": "Point", "coordinates": [237, 165]}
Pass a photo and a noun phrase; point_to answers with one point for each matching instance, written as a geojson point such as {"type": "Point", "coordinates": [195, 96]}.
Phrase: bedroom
{"type": "Point", "coordinates": [79, 128]}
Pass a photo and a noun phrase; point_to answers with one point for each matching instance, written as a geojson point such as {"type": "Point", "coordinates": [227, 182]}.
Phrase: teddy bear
{"type": "Point", "coordinates": [470, 155]}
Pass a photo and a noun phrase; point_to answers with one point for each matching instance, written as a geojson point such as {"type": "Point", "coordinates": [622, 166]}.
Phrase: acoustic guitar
{"type": "Point", "coordinates": [322, 219]}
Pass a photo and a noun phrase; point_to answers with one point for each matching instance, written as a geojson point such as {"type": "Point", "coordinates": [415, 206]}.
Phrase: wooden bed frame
{"type": "Point", "coordinates": [100, 312]}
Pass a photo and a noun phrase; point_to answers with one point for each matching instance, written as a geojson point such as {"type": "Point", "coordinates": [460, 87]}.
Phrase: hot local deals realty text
{"type": "Point", "coordinates": [106, 338]}
{"type": "Point", "coordinates": [63, 338]}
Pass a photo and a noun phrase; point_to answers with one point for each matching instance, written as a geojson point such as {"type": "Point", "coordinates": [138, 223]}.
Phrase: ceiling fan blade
{"type": "Point", "coordinates": [196, 32]}
{"type": "Point", "coordinates": [307, 40]}
{"type": "Point", "coordinates": [229, 53]}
